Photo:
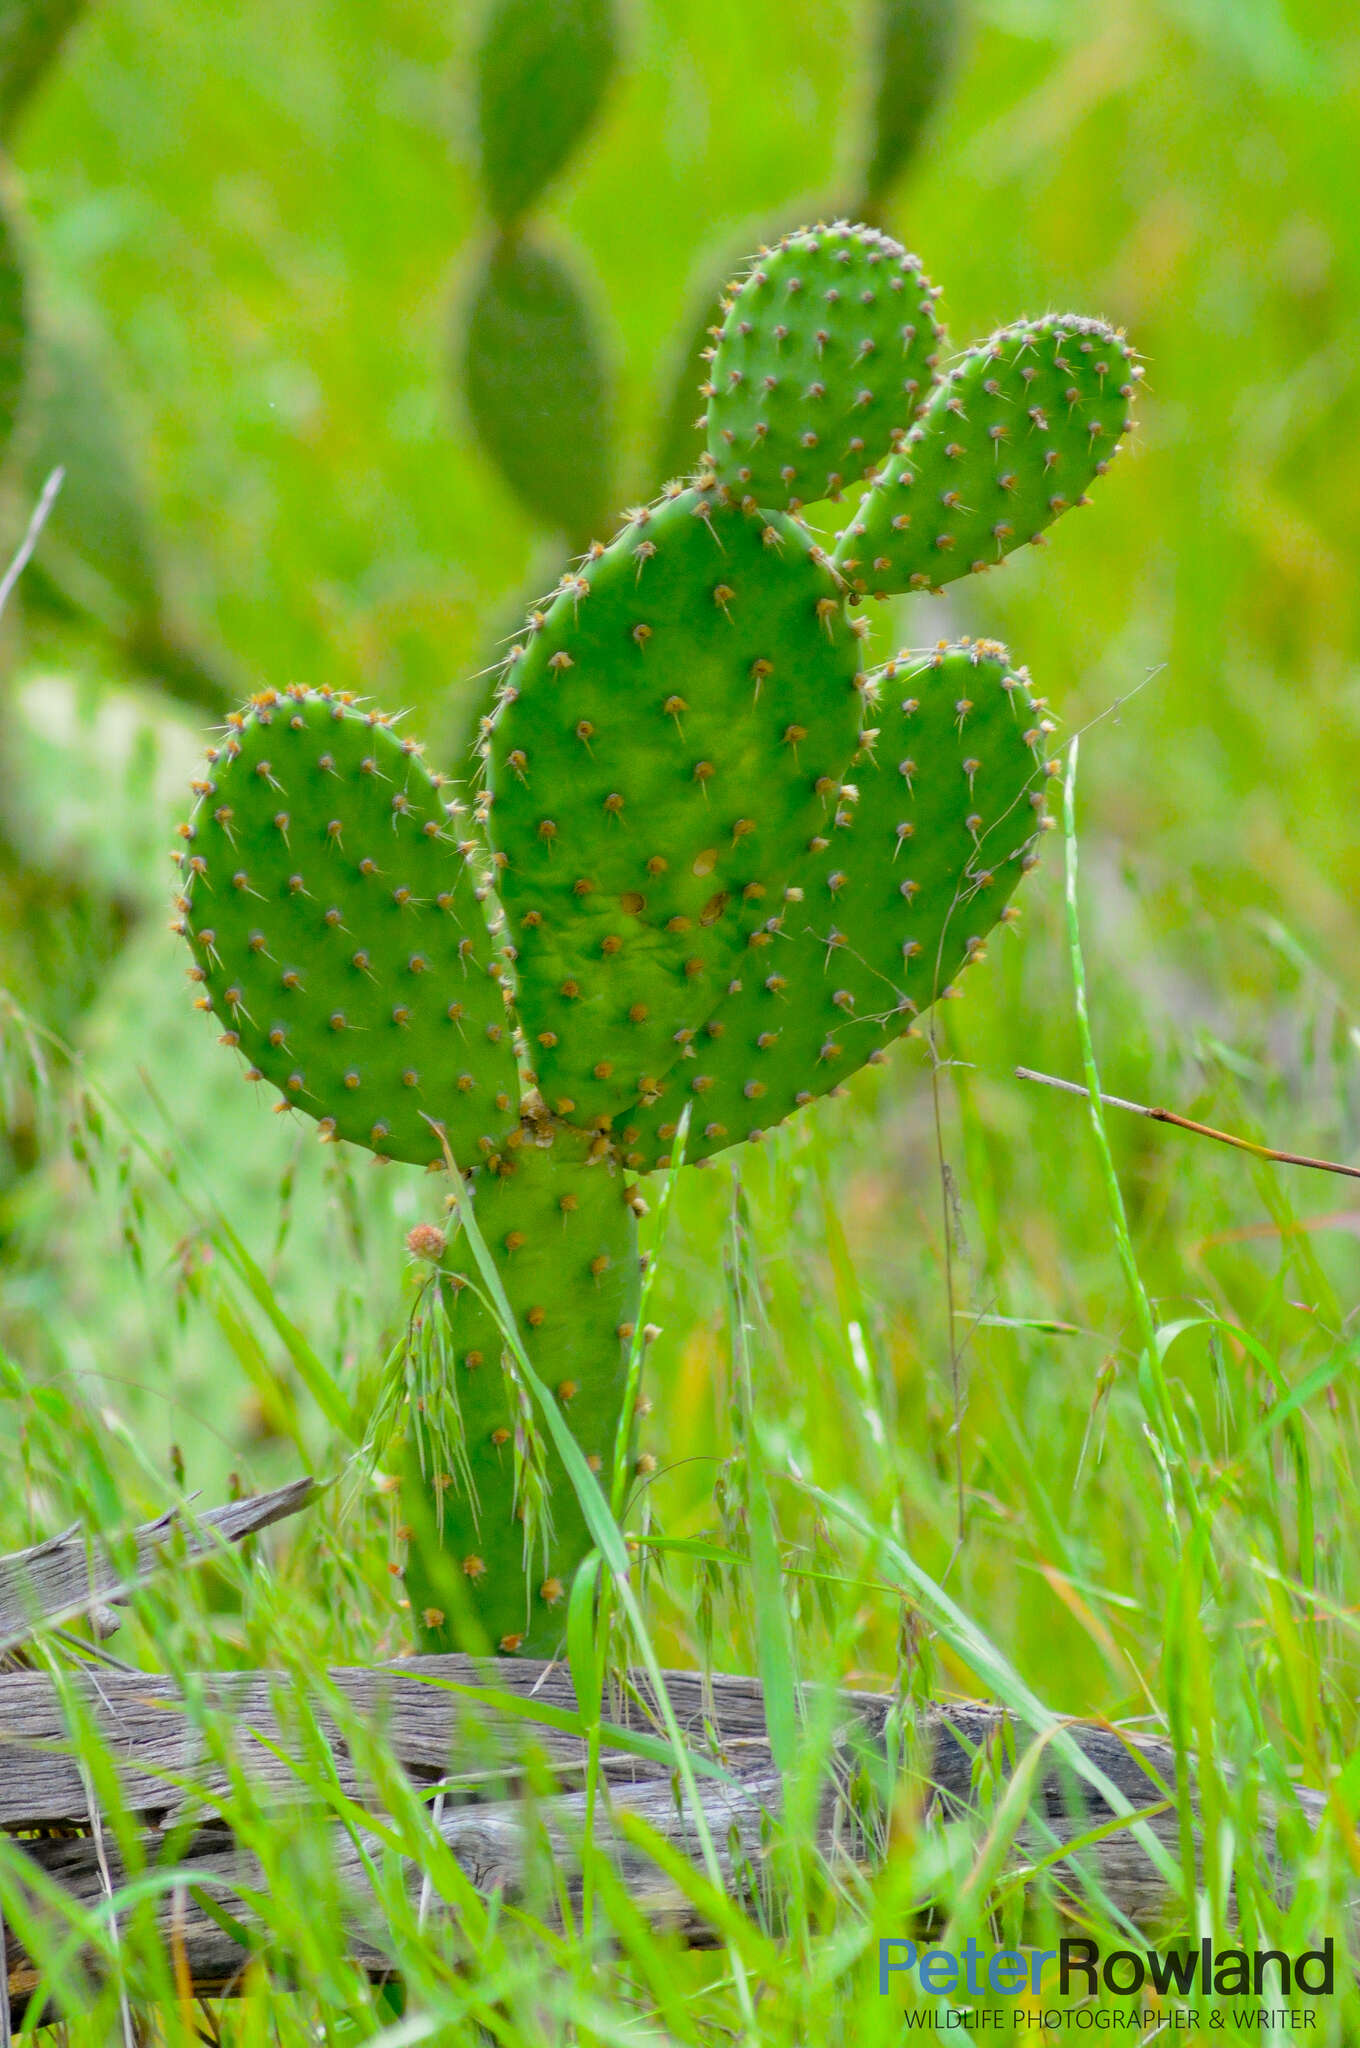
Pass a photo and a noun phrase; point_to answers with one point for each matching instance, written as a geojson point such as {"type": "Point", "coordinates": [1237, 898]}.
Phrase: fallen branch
{"type": "Point", "coordinates": [434, 1714]}
{"type": "Point", "coordinates": [71, 1574]}
{"type": "Point", "coordinates": [460, 1729]}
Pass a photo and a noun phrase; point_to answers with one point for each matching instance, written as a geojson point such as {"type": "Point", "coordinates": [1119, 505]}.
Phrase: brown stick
{"type": "Point", "coordinates": [1185, 1123]}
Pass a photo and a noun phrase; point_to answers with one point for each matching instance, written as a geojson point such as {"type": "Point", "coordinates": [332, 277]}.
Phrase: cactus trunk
{"type": "Point", "coordinates": [496, 1530]}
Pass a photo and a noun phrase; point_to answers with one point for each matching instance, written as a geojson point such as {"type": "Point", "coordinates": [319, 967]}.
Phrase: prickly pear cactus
{"type": "Point", "coordinates": [715, 862]}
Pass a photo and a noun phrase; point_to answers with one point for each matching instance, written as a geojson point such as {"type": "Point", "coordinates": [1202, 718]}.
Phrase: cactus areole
{"type": "Point", "coordinates": [715, 863]}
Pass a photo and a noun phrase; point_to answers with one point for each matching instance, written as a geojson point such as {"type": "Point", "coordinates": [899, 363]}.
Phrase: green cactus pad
{"type": "Point", "coordinates": [338, 934]}
{"type": "Point", "coordinates": [542, 72]}
{"type": "Point", "coordinates": [1011, 440]}
{"type": "Point", "coordinates": [826, 355]}
{"type": "Point", "coordinates": [538, 390]}
{"type": "Point", "coordinates": [565, 1243]}
{"type": "Point", "coordinates": [672, 735]}
{"type": "Point", "coordinates": [896, 896]}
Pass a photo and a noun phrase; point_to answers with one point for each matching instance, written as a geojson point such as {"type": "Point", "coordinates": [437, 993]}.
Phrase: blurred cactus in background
{"type": "Point", "coordinates": [916, 48]}
{"type": "Point", "coordinates": [64, 921]}
{"type": "Point", "coordinates": [31, 35]}
{"type": "Point", "coordinates": [96, 562]}
{"type": "Point", "coordinates": [534, 368]}
{"type": "Point", "coordinates": [13, 322]}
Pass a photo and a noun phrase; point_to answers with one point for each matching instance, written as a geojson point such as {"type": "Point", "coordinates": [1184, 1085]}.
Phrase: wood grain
{"type": "Point", "coordinates": [464, 1728]}
{"type": "Point", "coordinates": [441, 1715]}
{"type": "Point", "coordinates": [67, 1575]}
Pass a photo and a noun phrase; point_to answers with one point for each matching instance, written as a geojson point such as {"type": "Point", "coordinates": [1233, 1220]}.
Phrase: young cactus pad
{"type": "Point", "coordinates": [717, 862]}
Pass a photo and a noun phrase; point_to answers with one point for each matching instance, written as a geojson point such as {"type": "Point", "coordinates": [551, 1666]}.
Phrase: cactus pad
{"type": "Point", "coordinates": [674, 733]}
{"type": "Point", "coordinates": [541, 75]}
{"type": "Point", "coordinates": [538, 390]}
{"type": "Point", "coordinates": [333, 907]}
{"type": "Point", "coordinates": [1011, 440]}
{"type": "Point", "coordinates": [478, 1462]}
{"type": "Point", "coordinates": [935, 830]}
{"type": "Point", "coordinates": [826, 355]}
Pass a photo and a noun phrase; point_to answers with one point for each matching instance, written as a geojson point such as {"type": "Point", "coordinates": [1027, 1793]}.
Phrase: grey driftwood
{"type": "Point", "coordinates": [417, 1711]}
{"type": "Point", "coordinates": [457, 1728]}
{"type": "Point", "coordinates": [70, 1574]}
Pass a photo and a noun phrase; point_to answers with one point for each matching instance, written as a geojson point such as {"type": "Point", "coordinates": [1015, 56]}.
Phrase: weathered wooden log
{"type": "Point", "coordinates": [438, 1715]}
{"type": "Point", "coordinates": [429, 1710]}
{"type": "Point", "coordinates": [69, 1574]}
{"type": "Point", "coordinates": [462, 1728]}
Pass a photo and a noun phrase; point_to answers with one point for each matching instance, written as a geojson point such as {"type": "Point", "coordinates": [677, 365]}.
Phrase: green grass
{"type": "Point", "coordinates": [1072, 1422]}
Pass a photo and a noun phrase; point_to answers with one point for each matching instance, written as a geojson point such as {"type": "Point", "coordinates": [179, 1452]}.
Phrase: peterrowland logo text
{"type": "Point", "coordinates": [1083, 1970]}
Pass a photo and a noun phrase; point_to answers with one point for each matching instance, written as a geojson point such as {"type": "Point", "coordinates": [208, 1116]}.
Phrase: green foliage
{"type": "Point", "coordinates": [538, 388]}
{"type": "Point", "coordinates": [97, 562]}
{"type": "Point", "coordinates": [543, 69]}
{"type": "Point", "coordinates": [13, 323]}
{"type": "Point", "coordinates": [96, 549]}
{"type": "Point", "coordinates": [703, 909]}
{"type": "Point", "coordinates": [1186, 171]}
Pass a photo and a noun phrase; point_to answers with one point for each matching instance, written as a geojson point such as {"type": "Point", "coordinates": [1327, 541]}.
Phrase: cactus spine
{"type": "Point", "coordinates": [714, 865]}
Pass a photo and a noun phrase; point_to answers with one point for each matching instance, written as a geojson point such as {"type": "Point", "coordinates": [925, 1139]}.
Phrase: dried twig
{"type": "Point", "coordinates": [1186, 1123]}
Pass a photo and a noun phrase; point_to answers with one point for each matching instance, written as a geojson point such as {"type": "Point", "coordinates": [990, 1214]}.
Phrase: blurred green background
{"type": "Point", "coordinates": [266, 225]}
